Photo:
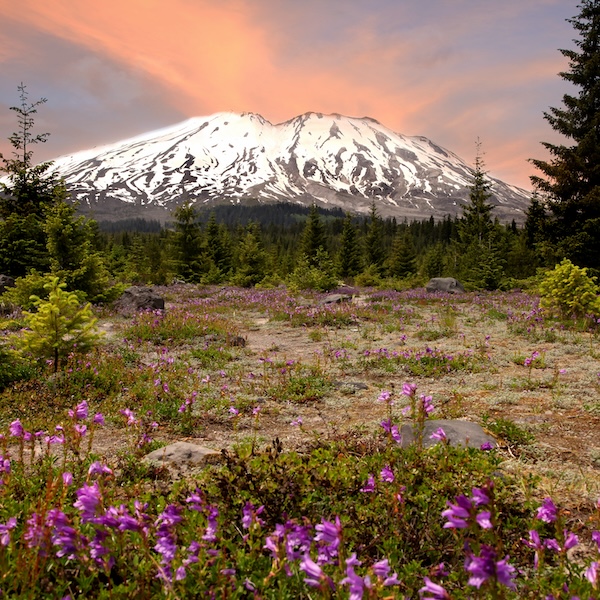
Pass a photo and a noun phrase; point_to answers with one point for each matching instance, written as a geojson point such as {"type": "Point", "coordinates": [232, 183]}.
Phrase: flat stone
{"type": "Point", "coordinates": [183, 456]}
{"type": "Point", "coordinates": [335, 299]}
{"type": "Point", "coordinates": [458, 433]}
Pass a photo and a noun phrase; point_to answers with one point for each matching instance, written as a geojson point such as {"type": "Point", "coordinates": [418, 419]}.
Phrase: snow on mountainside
{"type": "Point", "coordinates": [332, 160]}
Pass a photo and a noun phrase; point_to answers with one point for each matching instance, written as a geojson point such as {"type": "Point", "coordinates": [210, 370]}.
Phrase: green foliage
{"type": "Point", "coordinates": [507, 431]}
{"type": "Point", "coordinates": [59, 327]}
{"type": "Point", "coordinates": [27, 290]}
{"type": "Point", "coordinates": [569, 290]}
{"type": "Point", "coordinates": [251, 258]}
{"type": "Point", "coordinates": [72, 256]}
{"type": "Point", "coordinates": [22, 244]}
{"type": "Point", "coordinates": [13, 368]}
{"type": "Point", "coordinates": [318, 274]}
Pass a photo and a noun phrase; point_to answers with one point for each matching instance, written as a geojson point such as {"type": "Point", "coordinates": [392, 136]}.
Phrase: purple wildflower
{"type": "Point", "coordinates": [486, 446]}
{"type": "Point", "coordinates": [484, 519]}
{"type": "Point", "coordinates": [98, 419]}
{"type": "Point", "coordinates": [480, 496]}
{"type": "Point", "coordinates": [409, 389]}
{"type": "Point", "coordinates": [457, 514]}
{"type": "Point", "coordinates": [36, 535]}
{"type": "Point", "coordinates": [435, 591]}
{"type": "Point", "coordinates": [439, 434]}
{"type": "Point", "coordinates": [88, 499]}
{"type": "Point", "coordinates": [596, 538]}
{"type": "Point", "coordinates": [547, 512]}
{"type": "Point", "coordinates": [313, 570]}
{"type": "Point", "coordinates": [63, 535]}
{"type": "Point", "coordinates": [97, 468]}
{"type": "Point", "coordinates": [485, 567]}
{"type": "Point", "coordinates": [250, 515]}
{"type": "Point", "coordinates": [16, 429]}
{"type": "Point", "coordinates": [591, 573]}
{"type": "Point", "coordinates": [67, 478]}
{"type": "Point", "coordinates": [81, 411]}
{"type": "Point", "coordinates": [535, 543]}
{"type": "Point", "coordinates": [427, 403]}
{"type": "Point", "coordinates": [315, 574]}
{"type": "Point", "coordinates": [356, 583]}
{"type": "Point", "coordinates": [5, 531]}
{"type": "Point", "coordinates": [385, 398]}
{"type": "Point", "coordinates": [210, 534]}
{"type": "Point", "coordinates": [329, 535]}
{"type": "Point", "coordinates": [387, 474]}
{"type": "Point", "coordinates": [369, 486]}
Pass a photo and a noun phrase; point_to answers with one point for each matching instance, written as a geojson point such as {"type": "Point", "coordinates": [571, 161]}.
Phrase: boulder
{"type": "Point", "coordinates": [6, 281]}
{"type": "Point", "coordinates": [138, 298]}
{"type": "Point", "coordinates": [445, 284]}
{"type": "Point", "coordinates": [458, 433]}
{"type": "Point", "coordinates": [182, 456]}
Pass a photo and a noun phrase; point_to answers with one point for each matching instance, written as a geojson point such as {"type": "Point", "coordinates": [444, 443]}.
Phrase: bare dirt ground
{"type": "Point", "coordinates": [557, 402]}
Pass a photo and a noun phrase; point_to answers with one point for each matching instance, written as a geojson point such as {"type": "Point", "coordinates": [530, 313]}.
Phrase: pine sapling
{"type": "Point", "coordinates": [59, 326]}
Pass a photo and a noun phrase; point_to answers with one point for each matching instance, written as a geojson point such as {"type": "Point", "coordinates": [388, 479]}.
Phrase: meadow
{"type": "Point", "coordinates": [313, 494]}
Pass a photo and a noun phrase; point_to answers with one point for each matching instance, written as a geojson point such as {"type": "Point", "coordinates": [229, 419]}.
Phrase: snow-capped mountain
{"type": "Point", "coordinates": [332, 160]}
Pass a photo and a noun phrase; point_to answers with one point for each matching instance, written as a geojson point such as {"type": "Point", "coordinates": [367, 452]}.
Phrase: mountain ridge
{"type": "Point", "coordinates": [331, 160]}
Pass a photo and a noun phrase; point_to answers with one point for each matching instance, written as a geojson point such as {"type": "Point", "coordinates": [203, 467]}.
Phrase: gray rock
{"type": "Point", "coordinates": [458, 433]}
{"type": "Point", "coordinates": [138, 298]}
{"type": "Point", "coordinates": [445, 284]}
{"type": "Point", "coordinates": [6, 281]}
{"type": "Point", "coordinates": [182, 456]}
{"type": "Point", "coordinates": [350, 387]}
{"type": "Point", "coordinates": [335, 299]}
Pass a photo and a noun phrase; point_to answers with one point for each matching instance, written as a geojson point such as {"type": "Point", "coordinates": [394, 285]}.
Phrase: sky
{"type": "Point", "coordinates": [455, 71]}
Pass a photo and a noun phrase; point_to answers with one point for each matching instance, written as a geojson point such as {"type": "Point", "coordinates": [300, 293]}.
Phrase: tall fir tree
{"type": "Point", "coordinates": [31, 187]}
{"type": "Point", "coordinates": [349, 260]}
{"type": "Point", "coordinates": [480, 261]}
{"type": "Point", "coordinates": [218, 250]}
{"type": "Point", "coordinates": [571, 178]}
{"type": "Point", "coordinates": [403, 256]}
{"type": "Point", "coordinates": [186, 244]}
{"type": "Point", "coordinates": [30, 190]}
{"type": "Point", "coordinates": [313, 238]}
{"type": "Point", "coordinates": [374, 248]}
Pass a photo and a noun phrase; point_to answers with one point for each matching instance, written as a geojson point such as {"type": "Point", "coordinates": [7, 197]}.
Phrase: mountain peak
{"type": "Point", "coordinates": [331, 160]}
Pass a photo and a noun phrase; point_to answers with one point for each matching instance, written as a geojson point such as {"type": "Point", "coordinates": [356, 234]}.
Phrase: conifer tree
{"type": "Point", "coordinates": [403, 258]}
{"type": "Point", "coordinates": [23, 200]}
{"type": "Point", "coordinates": [571, 178]}
{"type": "Point", "coordinates": [187, 243]}
{"type": "Point", "coordinates": [218, 249]}
{"type": "Point", "coordinates": [313, 237]}
{"type": "Point", "coordinates": [349, 257]}
{"type": "Point", "coordinates": [479, 237]}
{"type": "Point", "coordinates": [374, 248]}
{"type": "Point", "coordinates": [59, 326]}
{"type": "Point", "coordinates": [30, 187]}
{"type": "Point", "coordinates": [73, 258]}
{"type": "Point", "coordinates": [251, 258]}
